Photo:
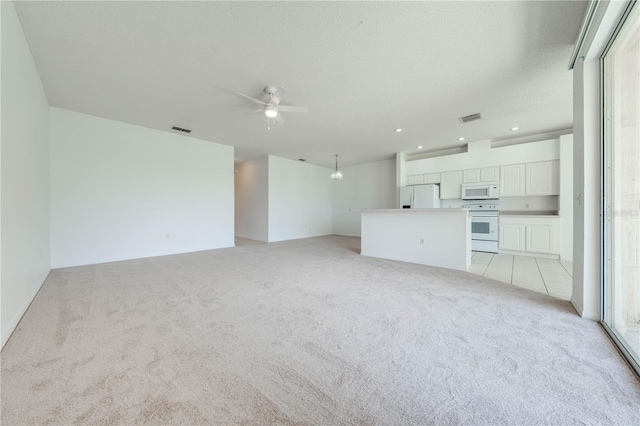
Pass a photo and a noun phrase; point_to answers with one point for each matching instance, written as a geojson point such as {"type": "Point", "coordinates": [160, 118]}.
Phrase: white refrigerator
{"type": "Point", "coordinates": [420, 197]}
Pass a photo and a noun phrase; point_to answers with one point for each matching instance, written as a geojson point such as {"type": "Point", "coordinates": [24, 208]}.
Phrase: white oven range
{"type": "Point", "coordinates": [484, 226]}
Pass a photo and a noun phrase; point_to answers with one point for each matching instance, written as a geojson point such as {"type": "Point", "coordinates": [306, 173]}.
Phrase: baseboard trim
{"type": "Point", "coordinates": [576, 305]}
{"type": "Point", "coordinates": [16, 320]}
{"type": "Point", "coordinates": [593, 316]}
{"type": "Point", "coordinates": [56, 265]}
{"type": "Point", "coordinates": [530, 254]}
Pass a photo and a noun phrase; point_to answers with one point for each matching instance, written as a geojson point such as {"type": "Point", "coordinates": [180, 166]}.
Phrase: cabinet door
{"type": "Point", "coordinates": [490, 174]}
{"type": "Point", "coordinates": [431, 178]}
{"type": "Point", "coordinates": [471, 176]}
{"type": "Point", "coordinates": [540, 238]}
{"type": "Point", "coordinates": [450, 185]}
{"type": "Point", "coordinates": [512, 180]}
{"type": "Point", "coordinates": [415, 180]}
{"type": "Point", "coordinates": [512, 237]}
{"type": "Point", "coordinates": [542, 178]}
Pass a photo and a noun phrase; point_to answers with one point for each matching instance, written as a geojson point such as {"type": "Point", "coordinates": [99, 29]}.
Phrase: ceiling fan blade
{"type": "Point", "coordinates": [251, 99]}
{"type": "Point", "coordinates": [289, 108]}
{"type": "Point", "coordinates": [279, 118]}
{"type": "Point", "coordinates": [277, 97]}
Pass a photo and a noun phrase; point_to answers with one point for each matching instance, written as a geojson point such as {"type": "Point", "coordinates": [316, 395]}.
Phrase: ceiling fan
{"type": "Point", "coordinates": [272, 106]}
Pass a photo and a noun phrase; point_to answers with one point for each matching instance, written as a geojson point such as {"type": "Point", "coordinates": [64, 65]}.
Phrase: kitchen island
{"type": "Point", "coordinates": [434, 237]}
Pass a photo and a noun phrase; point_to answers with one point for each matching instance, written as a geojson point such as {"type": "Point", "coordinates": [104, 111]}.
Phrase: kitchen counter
{"type": "Point", "coordinates": [412, 211]}
{"type": "Point", "coordinates": [435, 237]}
{"type": "Point", "coordinates": [529, 213]}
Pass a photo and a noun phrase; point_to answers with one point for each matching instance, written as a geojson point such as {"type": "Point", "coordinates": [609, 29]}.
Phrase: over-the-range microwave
{"type": "Point", "coordinates": [480, 191]}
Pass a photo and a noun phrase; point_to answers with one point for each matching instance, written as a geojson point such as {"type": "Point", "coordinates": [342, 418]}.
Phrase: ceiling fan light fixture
{"type": "Point", "coordinates": [271, 112]}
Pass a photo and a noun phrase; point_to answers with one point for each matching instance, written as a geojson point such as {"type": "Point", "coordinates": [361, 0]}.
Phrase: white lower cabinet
{"type": "Point", "coordinates": [530, 234]}
{"type": "Point", "coordinates": [512, 237]}
{"type": "Point", "coordinates": [540, 238]}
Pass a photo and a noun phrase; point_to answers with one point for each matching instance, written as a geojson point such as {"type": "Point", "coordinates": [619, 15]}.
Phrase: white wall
{"type": "Point", "coordinates": [587, 160]}
{"type": "Point", "coordinates": [24, 175]}
{"type": "Point", "coordinates": [586, 296]}
{"type": "Point", "coordinates": [252, 199]}
{"type": "Point", "coordinates": [300, 200]}
{"type": "Point", "coordinates": [120, 191]}
{"type": "Point", "coordinates": [365, 186]}
{"type": "Point", "coordinates": [566, 197]}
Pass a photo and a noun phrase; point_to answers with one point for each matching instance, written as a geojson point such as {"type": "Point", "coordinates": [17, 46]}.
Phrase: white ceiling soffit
{"type": "Point", "coordinates": [363, 68]}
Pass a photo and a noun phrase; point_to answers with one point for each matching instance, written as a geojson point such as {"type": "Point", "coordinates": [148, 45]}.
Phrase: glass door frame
{"type": "Point", "coordinates": [607, 200]}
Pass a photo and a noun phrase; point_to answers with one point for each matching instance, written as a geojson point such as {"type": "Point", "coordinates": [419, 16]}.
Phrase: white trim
{"type": "Point", "coordinates": [593, 316]}
{"type": "Point", "coordinates": [582, 35]}
{"type": "Point", "coordinates": [16, 320]}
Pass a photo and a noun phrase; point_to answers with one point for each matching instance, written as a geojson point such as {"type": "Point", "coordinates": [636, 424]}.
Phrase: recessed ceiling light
{"type": "Point", "coordinates": [419, 146]}
{"type": "Point", "coordinates": [514, 128]}
{"type": "Point", "coordinates": [398, 130]}
{"type": "Point", "coordinates": [460, 139]}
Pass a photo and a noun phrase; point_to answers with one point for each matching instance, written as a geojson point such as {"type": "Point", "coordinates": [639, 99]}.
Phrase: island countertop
{"type": "Point", "coordinates": [436, 210]}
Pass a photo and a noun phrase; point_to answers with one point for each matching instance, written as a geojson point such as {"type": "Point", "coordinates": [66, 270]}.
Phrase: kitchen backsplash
{"type": "Point", "coordinates": [544, 203]}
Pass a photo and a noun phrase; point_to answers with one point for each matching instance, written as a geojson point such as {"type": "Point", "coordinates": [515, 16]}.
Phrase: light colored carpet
{"type": "Point", "coordinates": [305, 331]}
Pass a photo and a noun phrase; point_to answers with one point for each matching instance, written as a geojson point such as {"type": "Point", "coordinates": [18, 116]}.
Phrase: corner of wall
{"type": "Point", "coordinates": [25, 199]}
{"type": "Point", "coordinates": [586, 314]}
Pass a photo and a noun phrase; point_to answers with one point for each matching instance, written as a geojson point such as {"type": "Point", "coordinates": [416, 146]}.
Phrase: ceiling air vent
{"type": "Point", "coordinates": [472, 117]}
{"type": "Point", "coordinates": [180, 129]}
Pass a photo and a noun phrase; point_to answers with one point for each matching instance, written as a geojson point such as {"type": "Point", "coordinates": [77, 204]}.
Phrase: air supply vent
{"type": "Point", "coordinates": [472, 117]}
{"type": "Point", "coordinates": [180, 129]}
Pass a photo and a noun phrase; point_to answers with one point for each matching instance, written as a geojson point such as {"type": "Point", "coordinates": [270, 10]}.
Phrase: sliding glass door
{"type": "Point", "coordinates": [621, 89]}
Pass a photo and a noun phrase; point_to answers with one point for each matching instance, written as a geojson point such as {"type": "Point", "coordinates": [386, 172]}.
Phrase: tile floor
{"type": "Point", "coordinates": [548, 276]}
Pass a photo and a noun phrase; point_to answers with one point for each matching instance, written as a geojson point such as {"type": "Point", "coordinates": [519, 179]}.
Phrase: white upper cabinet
{"type": "Point", "coordinates": [415, 180]}
{"type": "Point", "coordinates": [490, 174]}
{"type": "Point", "coordinates": [450, 183]}
{"type": "Point", "coordinates": [512, 180]}
{"type": "Point", "coordinates": [431, 178]}
{"type": "Point", "coordinates": [487, 174]}
{"type": "Point", "coordinates": [530, 179]}
{"type": "Point", "coordinates": [471, 176]}
{"type": "Point", "coordinates": [516, 180]}
{"type": "Point", "coordinates": [542, 178]}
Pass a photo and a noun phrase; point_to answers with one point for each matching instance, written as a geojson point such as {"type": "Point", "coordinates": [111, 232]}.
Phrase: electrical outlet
{"type": "Point", "coordinates": [421, 241]}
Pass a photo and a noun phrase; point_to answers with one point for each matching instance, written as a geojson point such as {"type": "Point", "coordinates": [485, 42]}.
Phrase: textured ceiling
{"type": "Point", "coordinates": [363, 68]}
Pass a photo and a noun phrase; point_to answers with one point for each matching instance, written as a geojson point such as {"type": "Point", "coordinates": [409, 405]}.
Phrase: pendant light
{"type": "Point", "coordinates": [337, 174]}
